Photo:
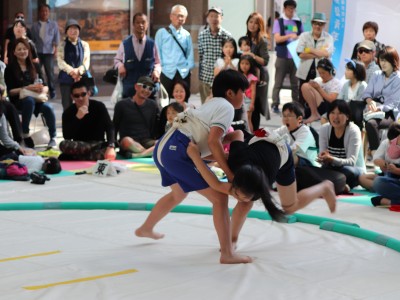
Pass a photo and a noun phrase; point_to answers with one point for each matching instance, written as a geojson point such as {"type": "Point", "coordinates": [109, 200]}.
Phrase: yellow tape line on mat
{"type": "Point", "coordinates": [45, 286]}
{"type": "Point", "coordinates": [31, 255]}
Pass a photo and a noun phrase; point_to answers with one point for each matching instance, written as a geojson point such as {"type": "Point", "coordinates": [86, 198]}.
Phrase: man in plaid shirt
{"type": "Point", "coordinates": [210, 40]}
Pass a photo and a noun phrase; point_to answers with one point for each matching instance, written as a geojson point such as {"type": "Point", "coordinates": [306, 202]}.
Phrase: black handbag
{"type": "Point", "coordinates": [111, 76]}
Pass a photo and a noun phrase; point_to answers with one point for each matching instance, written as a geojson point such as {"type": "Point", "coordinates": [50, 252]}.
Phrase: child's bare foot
{"type": "Point", "coordinates": [311, 119]}
{"type": "Point", "coordinates": [329, 195]}
{"type": "Point", "coordinates": [140, 232]}
{"type": "Point", "coordinates": [235, 259]}
{"type": "Point", "coordinates": [234, 245]}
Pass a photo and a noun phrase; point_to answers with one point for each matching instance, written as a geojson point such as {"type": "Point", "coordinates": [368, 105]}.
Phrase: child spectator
{"type": "Point", "coordinates": [300, 137]}
{"type": "Point", "coordinates": [353, 90]}
{"type": "Point", "coordinates": [228, 59]}
{"type": "Point", "coordinates": [244, 45]}
{"type": "Point", "coordinates": [248, 67]}
{"type": "Point", "coordinates": [171, 112]}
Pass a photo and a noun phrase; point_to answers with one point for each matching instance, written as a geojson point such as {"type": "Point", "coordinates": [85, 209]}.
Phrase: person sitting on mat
{"type": "Point", "coordinates": [303, 141]}
{"type": "Point", "coordinates": [387, 158]}
{"type": "Point", "coordinates": [84, 125]}
{"type": "Point", "coordinates": [136, 120]}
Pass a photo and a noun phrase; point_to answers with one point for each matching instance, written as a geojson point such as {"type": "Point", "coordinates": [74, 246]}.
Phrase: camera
{"type": "Point", "coordinates": [38, 178]}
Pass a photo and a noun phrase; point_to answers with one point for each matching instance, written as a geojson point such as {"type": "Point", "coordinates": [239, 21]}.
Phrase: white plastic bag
{"type": "Point", "coordinates": [117, 93]}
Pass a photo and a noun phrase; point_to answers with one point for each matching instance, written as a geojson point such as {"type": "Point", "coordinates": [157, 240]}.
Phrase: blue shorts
{"type": "Point", "coordinates": [177, 167]}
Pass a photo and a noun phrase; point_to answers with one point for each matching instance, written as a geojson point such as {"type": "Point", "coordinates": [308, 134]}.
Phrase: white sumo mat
{"type": "Point", "coordinates": [93, 254]}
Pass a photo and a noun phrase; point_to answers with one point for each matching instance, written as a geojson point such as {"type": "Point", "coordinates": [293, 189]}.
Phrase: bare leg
{"type": "Point", "coordinates": [313, 99]}
{"type": "Point", "coordinates": [239, 216]}
{"type": "Point", "coordinates": [367, 180]}
{"type": "Point", "coordinates": [146, 153]}
{"type": "Point", "coordinates": [222, 227]}
{"type": "Point", "coordinates": [130, 144]}
{"type": "Point", "coordinates": [293, 201]}
{"type": "Point", "coordinates": [159, 211]}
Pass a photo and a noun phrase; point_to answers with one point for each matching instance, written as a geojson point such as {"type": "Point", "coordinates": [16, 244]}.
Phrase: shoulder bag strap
{"type": "Point", "coordinates": [174, 37]}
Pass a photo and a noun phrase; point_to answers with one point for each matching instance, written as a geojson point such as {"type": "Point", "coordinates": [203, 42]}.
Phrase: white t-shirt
{"type": "Point", "coordinates": [220, 63]}
{"type": "Point", "coordinates": [332, 86]}
{"type": "Point", "coordinates": [215, 112]}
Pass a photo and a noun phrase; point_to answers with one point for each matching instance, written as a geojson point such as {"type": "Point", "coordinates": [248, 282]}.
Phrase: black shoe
{"type": "Point", "coordinates": [29, 142]}
{"type": "Point", "coordinates": [376, 201]}
{"type": "Point", "coordinates": [52, 95]}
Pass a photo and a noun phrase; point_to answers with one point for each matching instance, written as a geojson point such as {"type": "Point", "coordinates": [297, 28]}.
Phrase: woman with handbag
{"type": "Point", "coordinates": [27, 91]}
{"type": "Point", "coordinates": [73, 57]}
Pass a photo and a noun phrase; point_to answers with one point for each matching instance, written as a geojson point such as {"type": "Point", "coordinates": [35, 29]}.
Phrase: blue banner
{"type": "Point", "coordinates": [337, 25]}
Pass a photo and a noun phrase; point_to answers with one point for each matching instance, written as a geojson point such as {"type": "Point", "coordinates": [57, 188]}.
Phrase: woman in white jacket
{"type": "Point", "coordinates": [340, 144]}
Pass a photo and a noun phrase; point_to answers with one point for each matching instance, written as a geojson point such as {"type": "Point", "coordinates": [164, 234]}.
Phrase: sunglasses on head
{"type": "Point", "coordinates": [76, 96]}
{"type": "Point", "coordinates": [19, 18]}
{"type": "Point", "coordinates": [146, 87]}
{"type": "Point", "coordinates": [363, 50]}
{"type": "Point", "coordinates": [318, 23]}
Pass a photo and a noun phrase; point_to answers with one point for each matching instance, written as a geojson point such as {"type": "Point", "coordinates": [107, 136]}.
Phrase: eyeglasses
{"type": "Point", "coordinates": [179, 16]}
{"type": "Point", "coordinates": [318, 23]}
{"type": "Point", "coordinates": [363, 50]}
{"type": "Point", "coordinates": [146, 87]}
{"type": "Point", "coordinates": [81, 95]}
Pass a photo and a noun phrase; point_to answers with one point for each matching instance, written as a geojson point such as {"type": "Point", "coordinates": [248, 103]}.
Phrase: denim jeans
{"type": "Point", "coordinates": [47, 60]}
{"type": "Point", "coordinates": [29, 106]}
{"type": "Point", "coordinates": [352, 174]}
{"type": "Point", "coordinates": [388, 187]}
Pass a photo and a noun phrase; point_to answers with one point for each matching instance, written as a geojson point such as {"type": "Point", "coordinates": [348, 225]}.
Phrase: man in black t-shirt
{"type": "Point", "coordinates": [85, 124]}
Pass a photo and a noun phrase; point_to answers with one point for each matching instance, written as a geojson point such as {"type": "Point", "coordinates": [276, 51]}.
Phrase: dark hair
{"type": "Point", "coordinates": [245, 39]}
{"type": "Point", "coordinates": [393, 131]}
{"type": "Point", "coordinates": [295, 108]}
{"type": "Point", "coordinates": [20, 22]}
{"type": "Point", "coordinates": [176, 107]}
{"type": "Point", "coordinates": [253, 67]}
{"type": "Point", "coordinates": [44, 5]}
{"type": "Point", "coordinates": [229, 80]}
{"type": "Point", "coordinates": [326, 65]}
{"type": "Point", "coordinates": [371, 24]}
{"type": "Point", "coordinates": [139, 14]}
{"type": "Point", "coordinates": [358, 69]}
{"type": "Point", "coordinates": [289, 3]}
{"type": "Point", "coordinates": [342, 106]}
{"type": "Point", "coordinates": [51, 165]}
{"type": "Point", "coordinates": [261, 34]}
{"type": "Point", "coordinates": [390, 54]}
{"type": "Point", "coordinates": [251, 180]}
{"type": "Point", "coordinates": [185, 87]}
{"type": "Point", "coordinates": [233, 42]}
{"type": "Point", "coordinates": [79, 84]}
{"type": "Point", "coordinates": [276, 16]}
{"type": "Point", "coordinates": [29, 64]}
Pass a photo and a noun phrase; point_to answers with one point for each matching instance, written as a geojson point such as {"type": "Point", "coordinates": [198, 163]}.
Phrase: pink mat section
{"type": "Point", "coordinates": [79, 165]}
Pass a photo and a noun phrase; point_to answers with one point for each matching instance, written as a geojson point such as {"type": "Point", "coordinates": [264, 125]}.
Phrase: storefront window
{"type": "Point", "coordinates": [104, 23]}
